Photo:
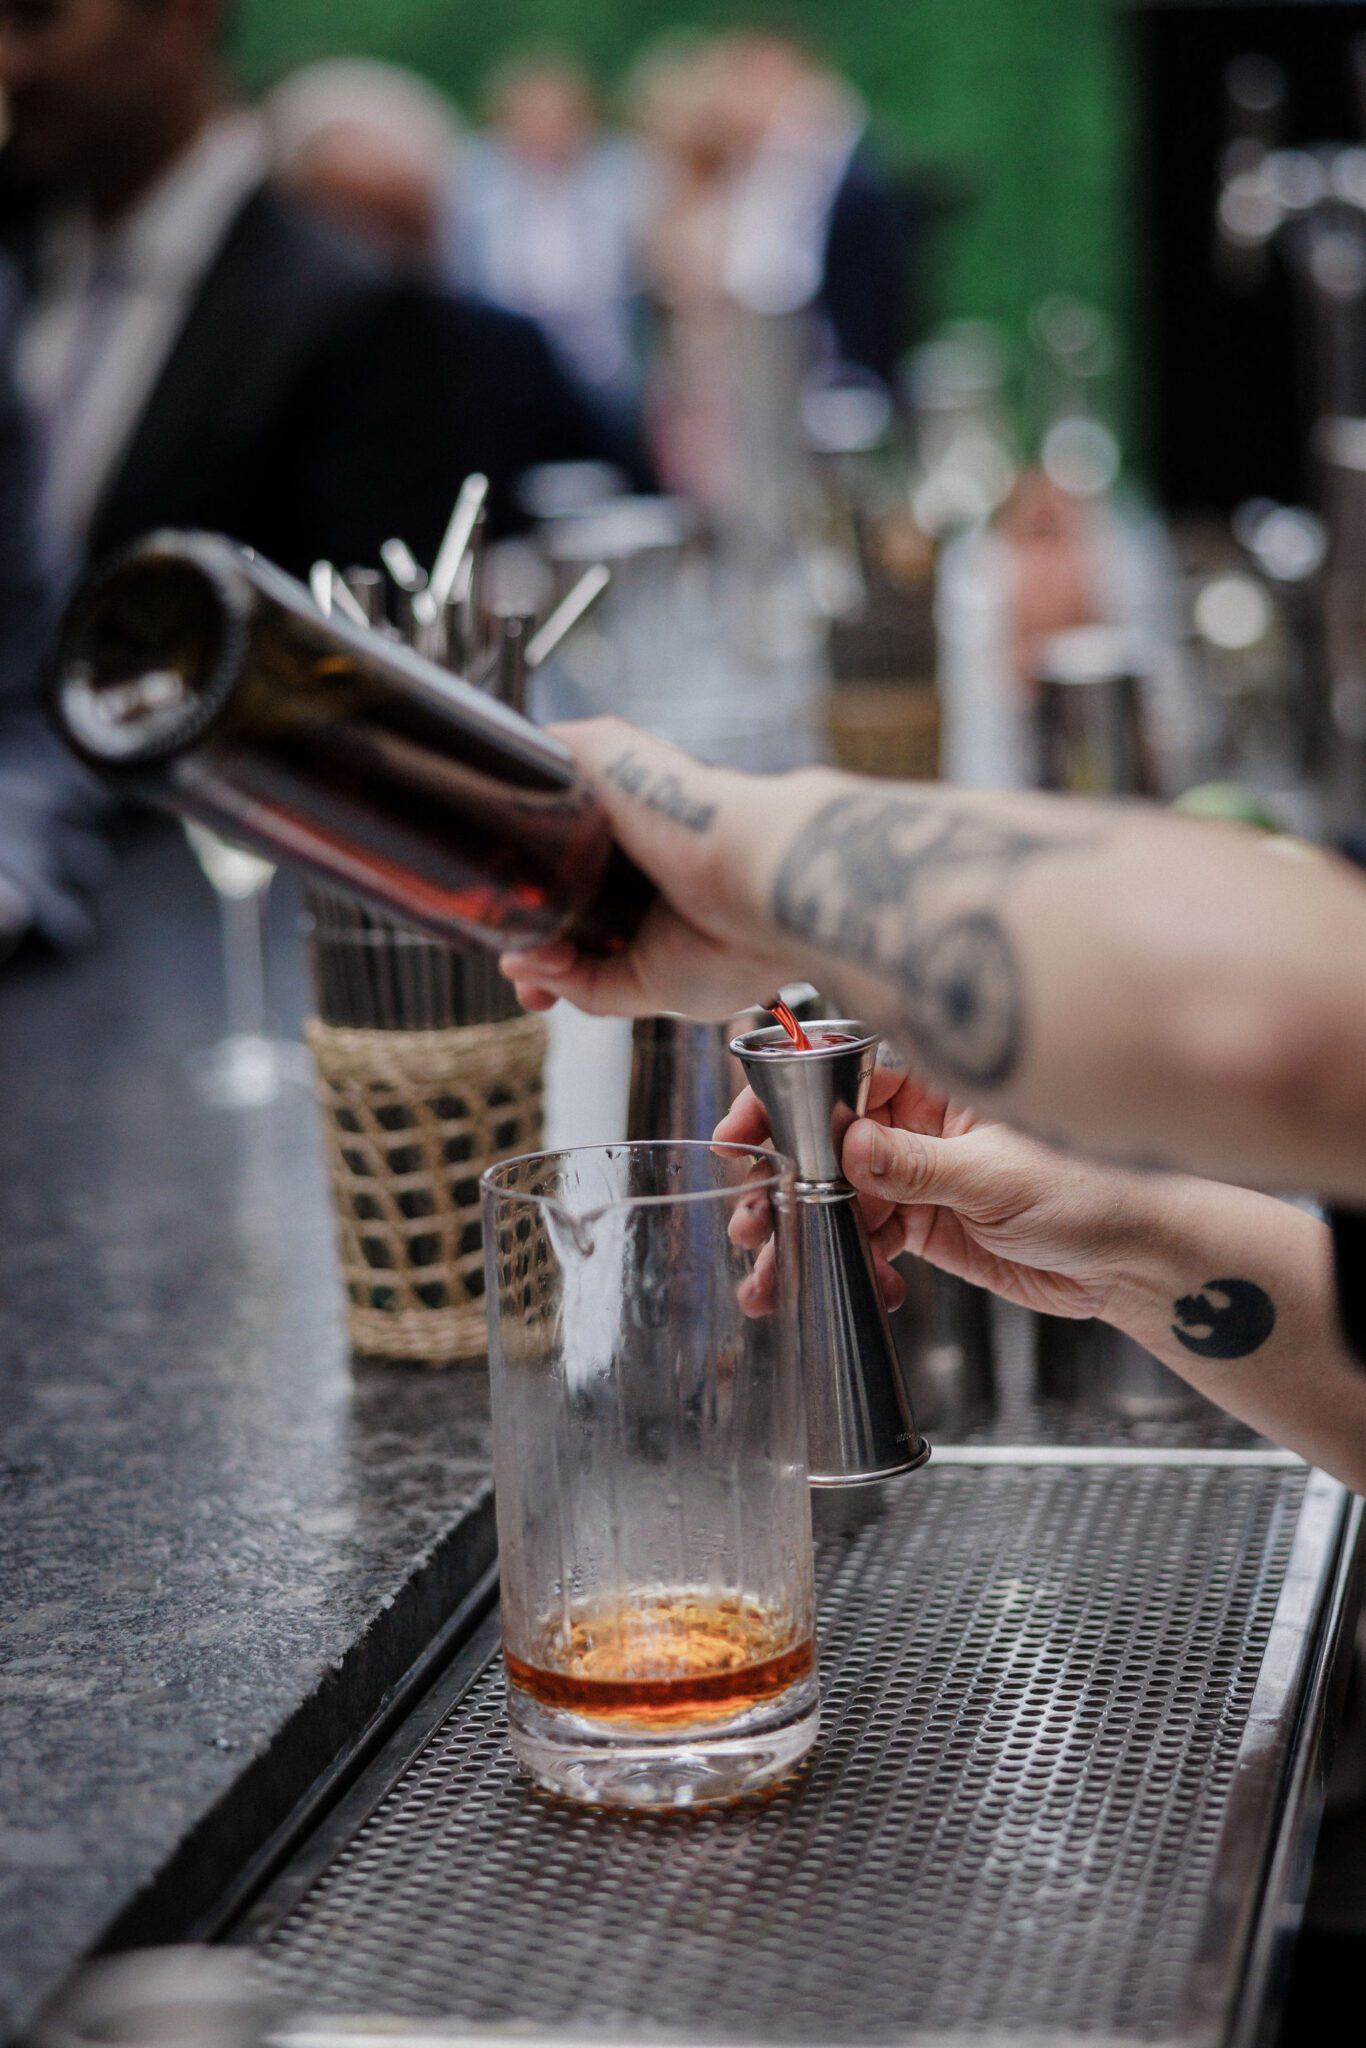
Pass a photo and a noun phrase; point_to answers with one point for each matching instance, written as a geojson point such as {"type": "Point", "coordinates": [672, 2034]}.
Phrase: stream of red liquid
{"type": "Point", "coordinates": [776, 1007]}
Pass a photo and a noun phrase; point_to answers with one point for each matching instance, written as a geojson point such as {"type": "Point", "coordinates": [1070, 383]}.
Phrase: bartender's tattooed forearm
{"type": "Point", "coordinates": [1226, 1319]}
{"type": "Point", "coordinates": [909, 888]}
{"type": "Point", "coordinates": [664, 794]}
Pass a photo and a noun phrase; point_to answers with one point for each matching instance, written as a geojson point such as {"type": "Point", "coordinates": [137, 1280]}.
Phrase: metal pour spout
{"type": "Point", "coordinates": [860, 1425]}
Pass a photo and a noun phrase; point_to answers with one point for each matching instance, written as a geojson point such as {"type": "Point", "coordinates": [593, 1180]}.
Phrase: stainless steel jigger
{"type": "Point", "coordinates": [860, 1425]}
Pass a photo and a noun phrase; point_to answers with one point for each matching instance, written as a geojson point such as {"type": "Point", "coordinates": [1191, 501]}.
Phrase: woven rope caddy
{"type": "Point", "coordinates": [411, 1119]}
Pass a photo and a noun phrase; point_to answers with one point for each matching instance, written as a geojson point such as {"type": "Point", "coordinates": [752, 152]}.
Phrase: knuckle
{"type": "Point", "coordinates": [912, 1167]}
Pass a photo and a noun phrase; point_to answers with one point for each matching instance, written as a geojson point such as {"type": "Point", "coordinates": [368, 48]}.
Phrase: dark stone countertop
{"type": "Point", "coordinates": [221, 1542]}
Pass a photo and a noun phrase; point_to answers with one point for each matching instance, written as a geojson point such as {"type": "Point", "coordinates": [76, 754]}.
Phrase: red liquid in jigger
{"type": "Point", "coordinates": [803, 1041]}
{"type": "Point", "coordinates": [776, 1007]}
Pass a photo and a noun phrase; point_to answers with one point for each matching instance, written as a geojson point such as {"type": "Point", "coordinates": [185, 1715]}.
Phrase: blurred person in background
{"type": "Point", "coordinates": [765, 201]}
{"type": "Point", "coordinates": [683, 255]}
{"type": "Point", "coordinates": [546, 216]}
{"type": "Point", "coordinates": [812, 219]}
{"type": "Point", "coordinates": [368, 148]}
{"type": "Point", "coordinates": [197, 352]}
{"type": "Point", "coordinates": [52, 848]}
{"type": "Point", "coordinates": [198, 349]}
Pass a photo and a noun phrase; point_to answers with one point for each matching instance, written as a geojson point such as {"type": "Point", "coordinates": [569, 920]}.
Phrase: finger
{"type": "Point", "coordinates": [890, 1241]}
{"type": "Point", "coordinates": [744, 1123]}
{"type": "Point", "coordinates": [875, 1211]}
{"type": "Point", "coordinates": [751, 1224]}
{"type": "Point", "coordinates": [607, 987]}
{"type": "Point", "coordinates": [886, 1084]}
{"type": "Point", "coordinates": [915, 1107]}
{"type": "Point", "coordinates": [751, 1220]}
{"type": "Point", "coordinates": [537, 963]}
{"type": "Point", "coordinates": [909, 1229]}
{"type": "Point", "coordinates": [529, 968]}
{"type": "Point", "coordinates": [532, 998]}
{"type": "Point", "coordinates": [892, 1286]}
{"type": "Point", "coordinates": [892, 1165]}
{"type": "Point", "coordinates": [757, 1294]}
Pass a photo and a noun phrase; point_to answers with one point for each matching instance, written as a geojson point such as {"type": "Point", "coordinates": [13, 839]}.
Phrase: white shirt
{"type": "Point", "coordinates": [559, 245]}
{"type": "Point", "coordinates": [110, 306]}
{"type": "Point", "coordinates": [781, 205]}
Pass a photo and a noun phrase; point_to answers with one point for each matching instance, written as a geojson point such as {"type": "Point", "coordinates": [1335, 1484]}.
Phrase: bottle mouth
{"type": "Point", "coordinates": [150, 648]}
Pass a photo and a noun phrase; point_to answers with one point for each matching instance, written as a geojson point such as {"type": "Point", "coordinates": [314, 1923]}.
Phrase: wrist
{"type": "Point", "coordinates": [767, 818]}
{"type": "Point", "coordinates": [1189, 1236]}
{"type": "Point", "coordinates": [1162, 1225]}
{"type": "Point", "coordinates": [760, 820]}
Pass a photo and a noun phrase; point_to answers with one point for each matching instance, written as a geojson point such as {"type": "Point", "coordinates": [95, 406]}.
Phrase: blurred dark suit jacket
{"type": "Point", "coordinates": [313, 404]}
{"type": "Point", "coordinates": [51, 813]}
{"type": "Point", "coordinates": [864, 287]}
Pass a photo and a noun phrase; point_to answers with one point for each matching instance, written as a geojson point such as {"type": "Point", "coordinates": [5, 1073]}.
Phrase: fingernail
{"type": "Point", "coordinates": [879, 1151]}
{"type": "Point", "coordinates": [541, 960]}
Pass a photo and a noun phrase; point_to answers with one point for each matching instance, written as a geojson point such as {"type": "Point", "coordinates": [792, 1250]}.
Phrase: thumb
{"type": "Point", "coordinates": [907, 1166]}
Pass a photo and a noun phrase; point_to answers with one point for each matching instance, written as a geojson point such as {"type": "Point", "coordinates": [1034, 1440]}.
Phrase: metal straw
{"type": "Point", "coordinates": [508, 682]}
{"type": "Point", "coordinates": [331, 594]}
{"type": "Point", "coordinates": [366, 586]}
{"type": "Point", "coordinates": [371, 973]}
{"type": "Point", "coordinates": [409, 580]}
{"type": "Point", "coordinates": [567, 614]}
{"type": "Point", "coordinates": [459, 533]}
{"type": "Point", "coordinates": [374, 975]}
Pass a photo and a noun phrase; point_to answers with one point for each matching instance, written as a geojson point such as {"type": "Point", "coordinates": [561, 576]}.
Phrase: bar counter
{"type": "Point", "coordinates": [221, 1544]}
{"type": "Point", "coordinates": [1078, 1676]}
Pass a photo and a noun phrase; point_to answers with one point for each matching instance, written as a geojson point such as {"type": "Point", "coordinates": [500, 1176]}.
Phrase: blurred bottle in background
{"type": "Point", "coordinates": [1042, 550]}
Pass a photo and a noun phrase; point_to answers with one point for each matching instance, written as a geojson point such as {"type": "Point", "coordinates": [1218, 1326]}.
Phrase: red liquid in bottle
{"type": "Point", "coordinates": [206, 681]}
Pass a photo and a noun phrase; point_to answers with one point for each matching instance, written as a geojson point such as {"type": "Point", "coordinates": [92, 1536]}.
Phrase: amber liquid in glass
{"type": "Point", "coordinates": [666, 1660]}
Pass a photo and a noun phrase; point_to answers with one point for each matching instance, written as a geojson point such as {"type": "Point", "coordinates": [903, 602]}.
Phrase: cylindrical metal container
{"type": "Point", "coordinates": [1092, 1366]}
{"type": "Point", "coordinates": [944, 1340]}
{"type": "Point", "coordinates": [1091, 738]}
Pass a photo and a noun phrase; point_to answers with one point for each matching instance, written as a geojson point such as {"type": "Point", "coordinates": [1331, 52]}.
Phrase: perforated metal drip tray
{"type": "Point", "coordinates": [1059, 1706]}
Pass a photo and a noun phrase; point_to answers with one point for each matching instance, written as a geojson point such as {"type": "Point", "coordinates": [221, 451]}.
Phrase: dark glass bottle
{"type": "Point", "coordinates": [198, 676]}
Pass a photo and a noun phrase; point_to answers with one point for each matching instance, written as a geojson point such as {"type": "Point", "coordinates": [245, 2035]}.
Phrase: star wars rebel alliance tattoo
{"type": "Point", "coordinates": [1226, 1319]}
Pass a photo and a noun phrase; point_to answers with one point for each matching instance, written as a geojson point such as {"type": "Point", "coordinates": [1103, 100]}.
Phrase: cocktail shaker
{"type": "Point", "coordinates": [860, 1425]}
{"type": "Point", "coordinates": [1090, 1366]}
{"type": "Point", "coordinates": [1091, 735]}
{"type": "Point", "coordinates": [684, 1075]}
{"type": "Point", "coordinates": [944, 1339]}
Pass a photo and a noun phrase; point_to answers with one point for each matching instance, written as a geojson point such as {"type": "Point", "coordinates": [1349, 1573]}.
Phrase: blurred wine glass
{"type": "Point", "coordinates": [247, 1067]}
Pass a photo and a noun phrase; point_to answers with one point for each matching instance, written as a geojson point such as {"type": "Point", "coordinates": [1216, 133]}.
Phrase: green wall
{"type": "Point", "coordinates": [1023, 100]}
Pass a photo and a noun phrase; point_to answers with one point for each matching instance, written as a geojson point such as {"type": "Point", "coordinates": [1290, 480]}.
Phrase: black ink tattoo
{"type": "Point", "coordinates": [1233, 1327]}
{"type": "Point", "coordinates": [906, 887]}
{"type": "Point", "coordinates": [664, 794]}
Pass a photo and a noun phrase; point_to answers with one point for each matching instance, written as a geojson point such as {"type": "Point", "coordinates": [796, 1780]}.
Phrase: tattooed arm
{"type": "Point", "coordinates": [1233, 1290]}
{"type": "Point", "coordinates": [1137, 985]}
